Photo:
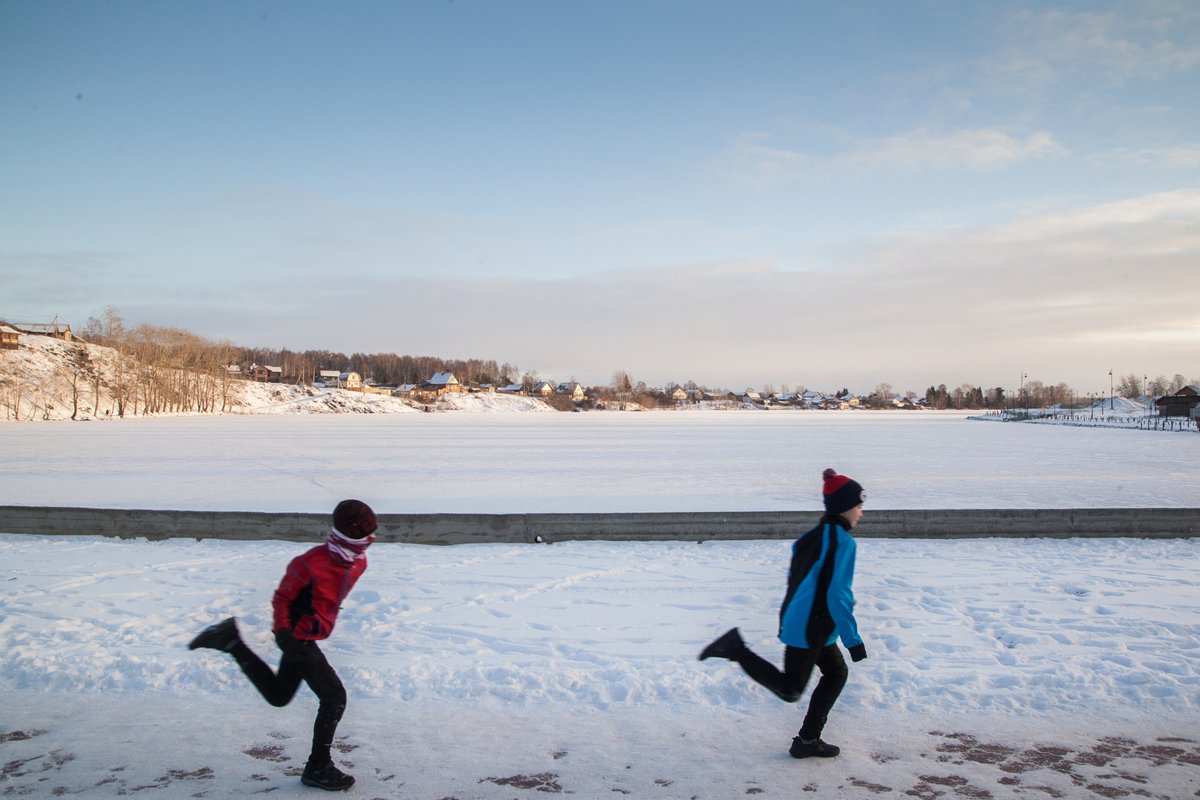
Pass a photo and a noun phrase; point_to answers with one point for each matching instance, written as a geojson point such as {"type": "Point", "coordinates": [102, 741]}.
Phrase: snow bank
{"type": "Point", "coordinates": [492, 403]}
{"type": "Point", "coordinates": [271, 398]}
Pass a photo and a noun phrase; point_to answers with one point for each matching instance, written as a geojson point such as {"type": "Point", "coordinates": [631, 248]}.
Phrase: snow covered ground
{"type": "Point", "coordinates": [594, 462]}
{"type": "Point", "coordinates": [264, 398]}
{"type": "Point", "coordinates": [997, 668]}
{"type": "Point", "coordinates": [1032, 668]}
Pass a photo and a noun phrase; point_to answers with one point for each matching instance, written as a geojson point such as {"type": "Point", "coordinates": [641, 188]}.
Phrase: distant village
{"type": "Point", "coordinates": [573, 396]}
{"type": "Point", "coordinates": [442, 383]}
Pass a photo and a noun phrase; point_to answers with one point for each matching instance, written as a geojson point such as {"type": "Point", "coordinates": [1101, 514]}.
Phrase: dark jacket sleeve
{"type": "Point", "coordinates": [805, 553]}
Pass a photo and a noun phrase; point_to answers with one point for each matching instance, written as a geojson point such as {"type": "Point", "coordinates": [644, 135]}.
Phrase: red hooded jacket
{"type": "Point", "coordinates": [311, 593]}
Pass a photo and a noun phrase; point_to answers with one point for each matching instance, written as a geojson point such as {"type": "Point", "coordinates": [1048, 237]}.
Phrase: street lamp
{"type": "Point", "coordinates": [1111, 405]}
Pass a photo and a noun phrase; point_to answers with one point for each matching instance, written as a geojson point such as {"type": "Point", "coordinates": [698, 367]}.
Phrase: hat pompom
{"type": "Point", "coordinates": [829, 473]}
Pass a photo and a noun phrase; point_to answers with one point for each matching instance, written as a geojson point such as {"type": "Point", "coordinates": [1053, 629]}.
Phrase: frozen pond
{"type": "Point", "coordinates": [591, 462]}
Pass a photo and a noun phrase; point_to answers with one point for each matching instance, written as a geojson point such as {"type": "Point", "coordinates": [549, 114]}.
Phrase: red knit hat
{"type": "Point", "coordinates": [354, 518]}
{"type": "Point", "coordinates": [840, 493]}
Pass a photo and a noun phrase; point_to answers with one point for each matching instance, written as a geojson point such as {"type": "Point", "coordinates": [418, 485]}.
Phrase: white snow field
{"type": "Point", "coordinates": [997, 668]}
{"type": "Point", "coordinates": [590, 462]}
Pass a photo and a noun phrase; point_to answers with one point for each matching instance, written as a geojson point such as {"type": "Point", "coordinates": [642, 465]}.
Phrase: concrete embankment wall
{"type": "Point", "coordinates": [685, 526]}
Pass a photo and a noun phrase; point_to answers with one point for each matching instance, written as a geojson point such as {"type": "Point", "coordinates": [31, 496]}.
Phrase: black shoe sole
{"type": "Point", "coordinates": [326, 786]}
{"type": "Point", "coordinates": [819, 754]}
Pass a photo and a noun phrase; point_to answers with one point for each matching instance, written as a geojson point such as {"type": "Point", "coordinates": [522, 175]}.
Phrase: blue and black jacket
{"type": "Point", "coordinates": [819, 606]}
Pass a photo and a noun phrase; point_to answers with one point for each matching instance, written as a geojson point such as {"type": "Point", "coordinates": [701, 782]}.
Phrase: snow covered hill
{"type": "Point", "coordinates": [51, 379]}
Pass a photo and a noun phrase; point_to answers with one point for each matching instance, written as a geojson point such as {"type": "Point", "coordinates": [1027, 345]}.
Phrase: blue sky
{"type": "Point", "coordinates": [741, 194]}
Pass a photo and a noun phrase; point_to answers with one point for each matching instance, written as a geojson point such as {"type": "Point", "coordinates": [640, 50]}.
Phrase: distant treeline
{"type": "Point", "coordinates": [167, 350]}
{"type": "Point", "coordinates": [388, 369]}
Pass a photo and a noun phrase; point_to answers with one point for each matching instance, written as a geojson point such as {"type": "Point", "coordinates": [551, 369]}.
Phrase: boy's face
{"type": "Point", "coordinates": [854, 515]}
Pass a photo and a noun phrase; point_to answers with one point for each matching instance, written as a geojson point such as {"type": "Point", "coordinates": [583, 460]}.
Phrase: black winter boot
{"type": "Point", "coordinates": [729, 645]}
{"type": "Point", "coordinates": [222, 636]}
{"type": "Point", "coordinates": [326, 776]}
{"type": "Point", "coordinates": [814, 749]}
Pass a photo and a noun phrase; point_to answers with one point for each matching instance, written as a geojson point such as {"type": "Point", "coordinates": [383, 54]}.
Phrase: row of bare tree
{"type": "Point", "coordinates": [386, 368]}
{"type": "Point", "coordinates": [155, 369]}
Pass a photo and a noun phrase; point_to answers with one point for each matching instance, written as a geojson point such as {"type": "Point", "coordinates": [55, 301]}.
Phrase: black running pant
{"type": "Point", "coordinates": [798, 665]}
{"type": "Point", "coordinates": [303, 662]}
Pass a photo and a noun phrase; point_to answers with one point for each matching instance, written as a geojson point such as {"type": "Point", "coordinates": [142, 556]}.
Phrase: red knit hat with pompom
{"type": "Point", "coordinates": [840, 493]}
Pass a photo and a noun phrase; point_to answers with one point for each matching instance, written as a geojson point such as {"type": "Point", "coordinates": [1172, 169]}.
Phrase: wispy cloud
{"type": "Point", "coordinates": [1181, 156]}
{"type": "Point", "coordinates": [971, 149]}
{"type": "Point", "coordinates": [756, 163]}
{"type": "Point", "coordinates": [1145, 40]}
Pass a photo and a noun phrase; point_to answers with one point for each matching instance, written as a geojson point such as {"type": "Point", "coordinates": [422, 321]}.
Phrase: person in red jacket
{"type": "Point", "coordinates": [305, 608]}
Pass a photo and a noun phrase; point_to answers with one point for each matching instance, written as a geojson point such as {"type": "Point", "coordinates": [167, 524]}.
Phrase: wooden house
{"type": "Point", "coordinates": [441, 383]}
{"type": "Point", "coordinates": [572, 390]}
{"type": "Point", "coordinates": [445, 383]}
{"type": "Point", "coordinates": [1180, 404]}
{"type": "Point", "coordinates": [265, 374]}
{"type": "Point", "coordinates": [812, 399]}
{"type": "Point", "coordinates": [58, 330]}
{"type": "Point", "coordinates": [350, 380]}
{"type": "Point", "coordinates": [10, 338]}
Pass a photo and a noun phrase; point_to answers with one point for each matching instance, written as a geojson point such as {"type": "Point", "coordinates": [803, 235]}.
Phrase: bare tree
{"type": "Point", "coordinates": [622, 384]}
{"type": "Point", "coordinates": [883, 394]}
{"type": "Point", "coordinates": [1129, 386]}
{"type": "Point", "coordinates": [81, 369]}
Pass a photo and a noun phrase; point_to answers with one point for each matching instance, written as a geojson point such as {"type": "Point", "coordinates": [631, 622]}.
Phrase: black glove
{"type": "Point", "coordinates": [858, 652]}
{"type": "Point", "coordinates": [287, 643]}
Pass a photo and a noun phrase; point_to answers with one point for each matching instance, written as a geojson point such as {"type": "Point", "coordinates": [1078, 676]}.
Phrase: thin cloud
{"type": "Point", "coordinates": [1152, 40]}
{"type": "Point", "coordinates": [755, 163]}
{"type": "Point", "coordinates": [1181, 156]}
{"type": "Point", "coordinates": [979, 149]}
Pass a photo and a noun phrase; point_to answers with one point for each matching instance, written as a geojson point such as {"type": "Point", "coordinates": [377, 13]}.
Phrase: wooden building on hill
{"type": "Point", "coordinates": [1180, 404]}
{"type": "Point", "coordinates": [59, 330]}
{"type": "Point", "coordinates": [264, 374]}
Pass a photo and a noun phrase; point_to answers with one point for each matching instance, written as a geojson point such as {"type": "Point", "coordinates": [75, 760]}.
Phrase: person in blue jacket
{"type": "Point", "coordinates": [817, 610]}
